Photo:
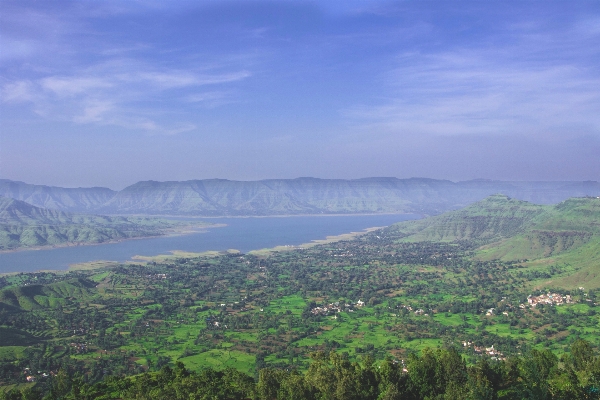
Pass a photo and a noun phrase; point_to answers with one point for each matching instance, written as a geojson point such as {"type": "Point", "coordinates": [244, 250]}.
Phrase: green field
{"type": "Point", "coordinates": [386, 294]}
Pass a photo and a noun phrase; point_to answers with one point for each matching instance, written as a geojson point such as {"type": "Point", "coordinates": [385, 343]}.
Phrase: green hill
{"type": "Point", "coordinates": [33, 297]}
{"type": "Point", "coordinates": [558, 229]}
{"type": "Point", "coordinates": [567, 234]}
{"type": "Point", "coordinates": [24, 225]}
{"type": "Point", "coordinates": [491, 219]}
{"type": "Point", "coordinates": [506, 229]}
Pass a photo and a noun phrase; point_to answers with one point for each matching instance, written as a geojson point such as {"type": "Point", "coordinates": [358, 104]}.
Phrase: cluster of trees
{"type": "Point", "coordinates": [437, 374]}
{"type": "Point", "coordinates": [138, 303]}
{"type": "Point", "coordinates": [131, 312]}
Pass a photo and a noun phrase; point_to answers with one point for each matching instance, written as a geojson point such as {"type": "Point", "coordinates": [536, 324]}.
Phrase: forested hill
{"type": "Point", "coordinates": [24, 225]}
{"type": "Point", "coordinates": [494, 218]}
{"type": "Point", "coordinates": [501, 221]}
{"type": "Point", "coordinates": [506, 229]}
{"type": "Point", "coordinates": [19, 212]}
{"type": "Point", "coordinates": [219, 197]}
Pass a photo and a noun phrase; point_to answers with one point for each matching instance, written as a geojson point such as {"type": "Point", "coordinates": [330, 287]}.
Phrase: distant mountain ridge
{"type": "Point", "coordinates": [300, 196]}
{"type": "Point", "coordinates": [57, 198]}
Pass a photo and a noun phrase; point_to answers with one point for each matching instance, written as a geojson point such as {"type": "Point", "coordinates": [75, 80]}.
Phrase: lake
{"type": "Point", "coordinates": [242, 234]}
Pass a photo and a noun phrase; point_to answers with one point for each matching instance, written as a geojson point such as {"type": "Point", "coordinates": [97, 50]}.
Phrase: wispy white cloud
{"type": "Point", "coordinates": [107, 93]}
{"type": "Point", "coordinates": [212, 99]}
{"type": "Point", "coordinates": [484, 91]}
{"type": "Point", "coordinates": [20, 92]}
{"type": "Point", "coordinates": [94, 112]}
{"type": "Point", "coordinates": [177, 79]}
{"type": "Point", "coordinates": [180, 128]}
{"type": "Point", "coordinates": [205, 96]}
{"type": "Point", "coordinates": [59, 63]}
{"type": "Point", "coordinates": [480, 86]}
{"type": "Point", "coordinates": [74, 85]}
{"type": "Point", "coordinates": [150, 126]}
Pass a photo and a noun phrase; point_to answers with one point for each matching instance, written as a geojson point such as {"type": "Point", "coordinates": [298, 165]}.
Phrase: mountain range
{"type": "Point", "coordinates": [220, 197]}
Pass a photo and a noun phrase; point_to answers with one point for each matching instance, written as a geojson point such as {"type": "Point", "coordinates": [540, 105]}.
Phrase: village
{"type": "Point", "coordinates": [30, 376]}
{"type": "Point", "coordinates": [549, 299]}
{"type": "Point", "coordinates": [481, 350]}
{"type": "Point", "coordinates": [336, 308]}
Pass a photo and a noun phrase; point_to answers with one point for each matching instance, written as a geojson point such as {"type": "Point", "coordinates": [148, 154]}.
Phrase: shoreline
{"type": "Point", "coordinates": [265, 216]}
{"type": "Point", "coordinates": [184, 230]}
{"type": "Point", "coordinates": [143, 259]}
{"type": "Point", "coordinates": [257, 252]}
{"type": "Point", "coordinates": [315, 242]}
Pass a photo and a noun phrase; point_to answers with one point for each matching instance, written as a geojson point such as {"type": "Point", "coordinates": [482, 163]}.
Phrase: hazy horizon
{"type": "Point", "coordinates": [111, 93]}
{"type": "Point", "coordinates": [302, 177]}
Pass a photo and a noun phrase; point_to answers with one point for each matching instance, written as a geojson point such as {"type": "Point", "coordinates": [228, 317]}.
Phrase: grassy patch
{"type": "Point", "coordinates": [220, 359]}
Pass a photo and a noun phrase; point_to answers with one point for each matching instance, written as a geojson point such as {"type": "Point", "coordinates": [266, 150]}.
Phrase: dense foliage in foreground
{"type": "Point", "coordinates": [436, 374]}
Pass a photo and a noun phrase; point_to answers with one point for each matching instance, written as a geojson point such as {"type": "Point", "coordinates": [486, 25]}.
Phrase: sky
{"type": "Point", "coordinates": [108, 93]}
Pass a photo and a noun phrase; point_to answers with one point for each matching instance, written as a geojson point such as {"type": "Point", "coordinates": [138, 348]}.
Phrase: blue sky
{"type": "Point", "coordinates": [108, 93]}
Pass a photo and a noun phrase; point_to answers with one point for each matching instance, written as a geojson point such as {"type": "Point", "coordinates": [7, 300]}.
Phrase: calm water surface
{"type": "Point", "coordinates": [243, 234]}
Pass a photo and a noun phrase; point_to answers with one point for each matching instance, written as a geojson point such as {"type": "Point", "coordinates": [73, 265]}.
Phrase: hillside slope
{"type": "Point", "coordinates": [564, 227]}
{"type": "Point", "coordinates": [24, 225]}
{"type": "Point", "coordinates": [34, 297]}
{"type": "Point", "coordinates": [511, 229]}
{"type": "Point", "coordinates": [488, 220]}
{"type": "Point", "coordinates": [501, 228]}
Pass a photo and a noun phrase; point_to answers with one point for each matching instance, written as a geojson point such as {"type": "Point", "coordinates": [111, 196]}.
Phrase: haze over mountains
{"type": "Point", "coordinates": [301, 196]}
{"type": "Point", "coordinates": [24, 225]}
